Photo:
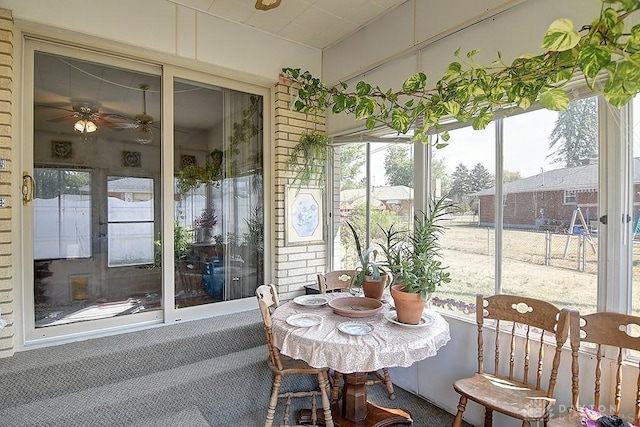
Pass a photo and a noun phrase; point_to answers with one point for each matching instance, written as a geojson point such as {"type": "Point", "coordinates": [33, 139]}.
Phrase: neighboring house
{"type": "Point", "coordinates": [546, 201]}
{"type": "Point", "coordinates": [397, 198]}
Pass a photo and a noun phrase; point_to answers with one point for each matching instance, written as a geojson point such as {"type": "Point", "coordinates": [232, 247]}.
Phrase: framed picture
{"type": "Point", "coordinates": [131, 159]}
{"type": "Point", "coordinates": [61, 149]}
{"type": "Point", "coordinates": [187, 160]}
{"type": "Point", "coordinates": [304, 215]}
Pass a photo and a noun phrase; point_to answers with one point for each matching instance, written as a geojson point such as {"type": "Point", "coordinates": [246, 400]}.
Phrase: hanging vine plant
{"type": "Point", "coordinates": [309, 158]}
{"type": "Point", "coordinates": [606, 52]}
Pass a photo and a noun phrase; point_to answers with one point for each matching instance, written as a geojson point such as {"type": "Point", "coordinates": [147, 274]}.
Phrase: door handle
{"type": "Point", "coordinates": [28, 188]}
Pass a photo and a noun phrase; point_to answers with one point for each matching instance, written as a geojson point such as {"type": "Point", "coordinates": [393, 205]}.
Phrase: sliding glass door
{"type": "Point", "coordinates": [142, 200]}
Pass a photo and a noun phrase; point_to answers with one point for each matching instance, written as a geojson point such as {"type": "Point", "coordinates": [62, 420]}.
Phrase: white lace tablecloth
{"type": "Point", "coordinates": [388, 345]}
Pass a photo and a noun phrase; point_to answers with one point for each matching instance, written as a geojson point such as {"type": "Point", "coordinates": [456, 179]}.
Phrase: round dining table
{"type": "Point", "coordinates": [355, 346]}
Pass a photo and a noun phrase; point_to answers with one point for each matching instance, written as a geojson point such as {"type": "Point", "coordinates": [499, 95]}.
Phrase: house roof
{"type": "Point", "coordinates": [579, 178]}
{"type": "Point", "coordinates": [394, 192]}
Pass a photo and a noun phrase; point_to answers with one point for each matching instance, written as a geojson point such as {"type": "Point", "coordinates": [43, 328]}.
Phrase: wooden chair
{"type": "Point", "coordinates": [608, 331]}
{"type": "Point", "coordinates": [190, 273]}
{"type": "Point", "coordinates": [508, 388]}
{"type": "Point", "coordinates": [340, 280]}
{"type": "Point", "coordinates": [282, 365]}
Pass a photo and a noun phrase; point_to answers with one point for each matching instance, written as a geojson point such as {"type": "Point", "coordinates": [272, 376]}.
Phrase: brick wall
{"type": "Point", "coordinates": [295, 265]}
{"type": "Point", "coordinates": [6, 259]}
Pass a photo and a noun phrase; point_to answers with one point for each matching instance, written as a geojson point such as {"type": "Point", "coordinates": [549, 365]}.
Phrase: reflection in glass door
{"type": "Point", "coordinates": [96, 167]}
{"type": "Point", "coordinates": [218, 210]}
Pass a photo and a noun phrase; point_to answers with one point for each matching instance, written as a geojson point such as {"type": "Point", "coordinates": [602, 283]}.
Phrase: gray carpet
{"type": "Point", "coordinates": [210, 372]}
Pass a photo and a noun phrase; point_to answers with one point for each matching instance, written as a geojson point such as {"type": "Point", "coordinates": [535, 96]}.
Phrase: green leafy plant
{"type": "Point", "coordinates": [182, 238]}
{"type": "Point", "coordinates": [191, 177]}
{"type": "Point", "coordinates": [308, 158]}
{"type": "Point", "coordinates": [606, 52]}
{"type": "Point", "coordinates": [415, 257]}
{"type": "Point", "coordinates": [369, 266]}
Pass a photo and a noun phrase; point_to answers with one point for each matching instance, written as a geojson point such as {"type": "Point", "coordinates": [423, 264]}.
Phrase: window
{"type": "Point", "coordinates": [131, 220]}
{"type": "Point", "coordinates": [378, 192]}
{"type": "Point", "coordinates": [548, 248]}
{"type": "Point", "coordinates": [467, 168]}
{"type": "Point", "coordinates": [570, 197]}
{"type": "Point", "coordinates": [62, 214]}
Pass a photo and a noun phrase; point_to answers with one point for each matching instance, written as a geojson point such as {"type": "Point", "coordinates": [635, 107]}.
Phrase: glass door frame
{"type": "Point", "coordinates": [28, 336]}
{"type": "Point", "coordinates": [172, 73]}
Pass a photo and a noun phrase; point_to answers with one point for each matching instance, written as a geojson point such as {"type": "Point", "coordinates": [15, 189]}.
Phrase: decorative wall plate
{"type": "Point", "coordinates": [131, 159]}
{"type": "Point", "coordinates": [61, 149]}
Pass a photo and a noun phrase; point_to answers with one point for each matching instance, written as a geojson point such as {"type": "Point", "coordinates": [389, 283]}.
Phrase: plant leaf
{"type": "Point", "coordinates": [555, 99]}
{"type": "Point", "coordinates": [592, 59]}
{"type": "Point", "coordinates": [415, 82]}
{"type": "Point", "coordinates": [560, 36]}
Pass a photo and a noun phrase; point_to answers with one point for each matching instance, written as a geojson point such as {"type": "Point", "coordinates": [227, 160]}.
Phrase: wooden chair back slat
{"type": "Point", "coordinates": [607, 331]}
{"type": "Point", "coordinates": [512, 351]}
{"type": "Point", "coordinates": [335, 280]}
{"type": "Point", "coordinates": [527, 356]}
{"type": "Point", "coordinates": [540, 360]}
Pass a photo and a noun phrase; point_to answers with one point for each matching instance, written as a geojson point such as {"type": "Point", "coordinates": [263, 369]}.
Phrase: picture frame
{"type": "Point", "coordinates": [62, 149]}
{"type": "Point", "coordinates": [188, 160]}
{"type": "Point", "coordinates": [304, 215]}
{"type": "Point", "coordinates": [131, 159]}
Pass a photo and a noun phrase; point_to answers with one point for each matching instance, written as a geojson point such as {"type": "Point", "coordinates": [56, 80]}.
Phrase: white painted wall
{"type": "Point", "coordinates": [165, 27]}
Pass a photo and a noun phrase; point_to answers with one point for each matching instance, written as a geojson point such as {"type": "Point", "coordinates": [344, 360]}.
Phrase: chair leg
{"type": "Point", "coordinates": [488, 417]}
{"type": "Point", "coordinates": [462, 405]}
{"type": "Point", "coordinates": [277, 381]}
{"type": "Point", "coordinates": [388, 384]}
{"type": "Point", "coordinates": [323, 381]}
{"type": "Point", "coordinates": [335, 389]}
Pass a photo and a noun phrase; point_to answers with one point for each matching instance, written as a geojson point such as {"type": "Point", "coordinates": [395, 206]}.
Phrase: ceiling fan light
{"type": "Point", "coordinates": [144, 135]}
{"type": "Point", "coordinates": [85, 126]}
{"type": "Point", "coordinates": [267, 4]}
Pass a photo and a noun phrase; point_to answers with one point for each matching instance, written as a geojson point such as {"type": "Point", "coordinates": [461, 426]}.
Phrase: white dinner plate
{"type": "Point", "coordinates": [304, 320]}
{"type": "Point", "coordinates": [355, 328]}
{"type": "Point", "coordinates": [425, 320]}
{"type": "Point", "coordinates": [311, 300]}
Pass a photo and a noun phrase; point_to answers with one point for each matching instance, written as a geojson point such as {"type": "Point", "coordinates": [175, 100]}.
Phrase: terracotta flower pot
{"type": "Point", "coordinates": [374, 288]}
{"type": "Point", "coordinates": [409, 306]}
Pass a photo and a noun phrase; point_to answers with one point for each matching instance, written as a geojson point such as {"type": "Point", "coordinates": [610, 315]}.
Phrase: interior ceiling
{"type": "Point", "coordinates": [316, 23]}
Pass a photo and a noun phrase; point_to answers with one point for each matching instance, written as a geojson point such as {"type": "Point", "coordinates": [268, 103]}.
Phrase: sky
{"type": "Point", "coordinates": [526, 147]}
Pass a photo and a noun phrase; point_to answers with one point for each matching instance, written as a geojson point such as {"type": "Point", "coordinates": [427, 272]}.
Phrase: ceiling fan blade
{"type": "Point", "coordinates": [117, 121]}
{"type": "Point", "coordinates": [61, 119]}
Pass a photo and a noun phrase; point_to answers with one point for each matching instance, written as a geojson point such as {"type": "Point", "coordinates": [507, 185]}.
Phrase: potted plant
{"type": "Point", "coordinates": [204, 225]}
{"type": "Point", "coordinates": [417, 260]}
{"type": "Point", "coordinates": [309, 156]}
{"type": "Point", "coordinates": [370, 276]}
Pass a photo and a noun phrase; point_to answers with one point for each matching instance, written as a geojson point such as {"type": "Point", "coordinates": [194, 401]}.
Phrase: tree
{"type": "Point", "coordinates": [461, 185]}
{"type": "Point", "coordinates": [509, 176]}
{"type": "Point", "coordinates": [398, 167]}
{"type": "Point", "coordinates": [352, 159]}
{"type": "Point", "coordinates": [439, 174]}
{"type": "Point", "coordinates": [480, 178]}
{"type": "Point", "coordinates": [574, 138]}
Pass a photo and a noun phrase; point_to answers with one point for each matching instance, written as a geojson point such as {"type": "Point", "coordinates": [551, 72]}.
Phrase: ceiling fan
{"type": "Point", "coordinates": [87, 116]}
{"type": "Point", "coordinates": [267, 4]}
{"type": "Point", "coordinates": [141, 122]}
